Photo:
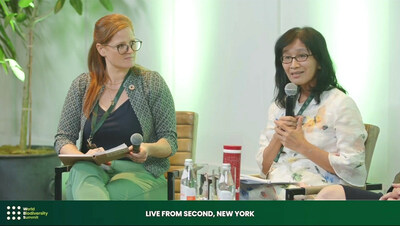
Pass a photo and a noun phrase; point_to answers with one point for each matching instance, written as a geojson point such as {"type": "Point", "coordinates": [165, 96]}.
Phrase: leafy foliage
{"type": "Point", "coordinates": [20, 17]}
{"type": "Point", "coordinates": [16, 14]}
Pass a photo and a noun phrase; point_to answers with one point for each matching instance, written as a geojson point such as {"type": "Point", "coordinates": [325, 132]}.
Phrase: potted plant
{"type": "Point", "coordinates": [24, 165]}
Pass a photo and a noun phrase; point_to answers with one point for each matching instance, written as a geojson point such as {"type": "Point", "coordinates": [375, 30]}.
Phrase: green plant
{"type": "Point", "coordinates": [18, 18]}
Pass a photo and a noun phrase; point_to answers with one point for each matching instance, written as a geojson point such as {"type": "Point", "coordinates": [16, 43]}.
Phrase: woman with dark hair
{"type": "Point", "coordinates": [104, 107]}
{"type": "Point", "coordinates": [324, 142]}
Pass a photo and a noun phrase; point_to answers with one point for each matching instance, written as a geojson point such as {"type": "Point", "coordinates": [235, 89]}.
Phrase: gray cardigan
{"type": "Point", "coordinates": [150, 99]}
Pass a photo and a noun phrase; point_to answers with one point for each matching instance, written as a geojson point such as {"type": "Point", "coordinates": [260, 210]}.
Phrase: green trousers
{"type": "Point", "coordinates": [123, 180]}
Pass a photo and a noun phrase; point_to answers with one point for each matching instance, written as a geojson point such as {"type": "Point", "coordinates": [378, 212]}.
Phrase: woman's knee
{"type": "Point", "coordinates": [333, 192]}
{"type": "Point", "coordinates": [82, 170]}
{"type": "Point", "coordinates": [130, 186]}
{"type": "Point", "coordinates": [87, 167]}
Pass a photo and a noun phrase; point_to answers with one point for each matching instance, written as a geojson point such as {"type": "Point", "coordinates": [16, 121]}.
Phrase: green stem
{"type": "Point", "coordinates": [5, 8]}
{"type": "Point", "coordinates": [30, 52]}
{"type": "Point", "coordinates": [26, 115]}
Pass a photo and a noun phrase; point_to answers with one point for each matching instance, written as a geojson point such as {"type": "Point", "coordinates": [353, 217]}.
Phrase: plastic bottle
{"type": "Point", "coordinates": [188, 181]}
{"type": "Point", "coordinates": [226, 185]}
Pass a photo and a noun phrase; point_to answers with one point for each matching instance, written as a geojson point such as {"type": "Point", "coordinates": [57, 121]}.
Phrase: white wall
{"type": "Point", "coordinates": [228, 80]}
{"type": "Point", "coordinates": [392, 60]}
{"type": "Point", "coordinates": [236, 80]}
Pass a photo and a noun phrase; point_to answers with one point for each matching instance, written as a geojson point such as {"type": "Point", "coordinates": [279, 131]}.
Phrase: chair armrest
{"type": "Point", "coordinates": [370, 187]}
{"type": "Point", "coordinates": [291, 192]}
{"type": "Point", "coordinates": [396, 179]}
{"type": "Point", "coordinates": [58, 180]}
{"type": "Point", "coordinates": [62, 169]}
{"type": "Point", "coordinates": [311, 190]}
{"type": "Point", "coordinates": [171, 175]}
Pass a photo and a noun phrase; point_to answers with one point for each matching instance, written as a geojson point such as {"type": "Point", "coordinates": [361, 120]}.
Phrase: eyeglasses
{"type": "Point", "coordinates": [299, 58]}
{"type": "Point", "coordinates": [124, 48]}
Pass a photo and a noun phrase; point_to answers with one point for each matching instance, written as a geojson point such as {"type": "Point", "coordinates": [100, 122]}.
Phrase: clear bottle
{"type": "Point", "coordinates": [226, 184]}
{"type": "Point", "coordinates": [188, 181]}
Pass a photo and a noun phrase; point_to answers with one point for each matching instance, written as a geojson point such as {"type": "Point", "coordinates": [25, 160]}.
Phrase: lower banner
{"type": "Point", "coordinates": [199, 213]}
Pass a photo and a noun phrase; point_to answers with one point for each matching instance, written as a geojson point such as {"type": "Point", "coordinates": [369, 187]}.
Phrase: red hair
{"type": "Point", "coordinates": [105, 28]}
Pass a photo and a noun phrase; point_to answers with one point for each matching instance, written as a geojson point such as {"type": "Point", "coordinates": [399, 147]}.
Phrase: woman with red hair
{"type": "Point", "coordinates": [104, 107]}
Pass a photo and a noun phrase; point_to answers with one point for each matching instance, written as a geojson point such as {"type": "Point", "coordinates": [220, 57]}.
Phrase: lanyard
{"type": "Point", "coordinates": [305, 105]}
{"type": "Point", "coordinates": [95, 126]}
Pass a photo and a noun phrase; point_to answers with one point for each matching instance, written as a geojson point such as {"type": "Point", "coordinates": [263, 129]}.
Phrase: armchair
{"type": "Point", "coordinates": [186, 129]}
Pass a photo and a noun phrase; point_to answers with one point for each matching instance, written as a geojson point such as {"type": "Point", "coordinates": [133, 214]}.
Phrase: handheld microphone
{"type": "Point", "coordinates": [291, 91]}
{"type": "Point", "coordinates": [136, 140]}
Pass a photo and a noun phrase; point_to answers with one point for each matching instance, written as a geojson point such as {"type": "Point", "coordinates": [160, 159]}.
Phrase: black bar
{"type": "Point", "coordinates": [171, 185]}
{"type": "Point", "coordinates": [291, 192]}
{"type": "Point", "coordinates": [370, 187]}
{"type": "Point", "coordinates": [58, 181]}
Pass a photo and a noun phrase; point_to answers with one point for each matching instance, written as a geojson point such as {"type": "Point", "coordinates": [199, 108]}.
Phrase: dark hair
{"type": "Point", "coordinates": [316, 44]}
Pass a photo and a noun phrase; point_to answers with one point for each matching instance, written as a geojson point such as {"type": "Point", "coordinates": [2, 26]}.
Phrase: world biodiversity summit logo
{"type": "Point", "coordinates": [18, 213]}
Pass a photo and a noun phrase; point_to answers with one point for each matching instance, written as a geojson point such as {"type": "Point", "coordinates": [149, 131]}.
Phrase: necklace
{"type": "Point", "coordinates": [110, 94]}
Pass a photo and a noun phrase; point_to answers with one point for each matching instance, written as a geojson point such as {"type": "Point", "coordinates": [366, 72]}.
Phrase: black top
{"type": "Point", "coordinates": [117, 129]}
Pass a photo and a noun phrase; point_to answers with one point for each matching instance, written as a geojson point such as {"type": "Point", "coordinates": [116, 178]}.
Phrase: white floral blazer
{"type": "Point", "coordinates": [336, 126]}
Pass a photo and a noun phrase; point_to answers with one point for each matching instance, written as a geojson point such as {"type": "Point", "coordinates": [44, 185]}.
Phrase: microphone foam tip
{"type": "Point", "coordinates": [136, 139]}
{"type": "Point", "coordinates": [291, 89]}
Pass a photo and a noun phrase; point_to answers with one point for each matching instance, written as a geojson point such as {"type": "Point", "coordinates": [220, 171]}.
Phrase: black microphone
{"type": "Point", "coordinates": [136, 140]}
{"type": "Point", "coordinates": [291, 91]}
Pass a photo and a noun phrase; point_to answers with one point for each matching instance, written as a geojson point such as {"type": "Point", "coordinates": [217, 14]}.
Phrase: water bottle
{"type": "Point", "coordinates": [226, 185]}
{"type": "Point", "coordinates": [188, 181]}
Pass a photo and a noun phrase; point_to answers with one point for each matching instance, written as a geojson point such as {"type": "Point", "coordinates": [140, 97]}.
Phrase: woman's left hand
{"type": "Point", "coordinates": [394, 195]}
{"type": "Point", "coordinates": [139, 157]}
{"type": "Point", "coordinates": [291, 137]}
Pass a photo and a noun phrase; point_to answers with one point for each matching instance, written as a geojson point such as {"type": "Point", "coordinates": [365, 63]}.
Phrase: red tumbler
{"type": "Point", "coordinates": [232, 155]}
